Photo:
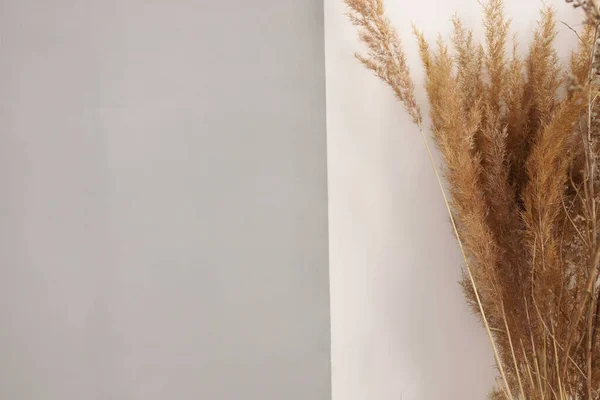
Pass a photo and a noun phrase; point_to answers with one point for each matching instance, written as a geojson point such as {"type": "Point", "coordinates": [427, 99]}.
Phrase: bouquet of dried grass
{"type": "Point", "coordinates": [521, 142]}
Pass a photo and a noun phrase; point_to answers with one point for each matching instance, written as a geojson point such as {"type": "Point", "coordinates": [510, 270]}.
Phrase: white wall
{"type": "Point", "coordinates": [163, 216]}
{"type": "Point", "coordinates": [400, 327]}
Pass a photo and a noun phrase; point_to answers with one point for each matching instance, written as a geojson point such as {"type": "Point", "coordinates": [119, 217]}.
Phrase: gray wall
{"type": "Point", "coordinates": [163, 225]}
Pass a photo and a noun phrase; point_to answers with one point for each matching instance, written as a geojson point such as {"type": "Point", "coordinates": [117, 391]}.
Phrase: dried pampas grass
{"type": "Point", "coordinates": [520, 141]}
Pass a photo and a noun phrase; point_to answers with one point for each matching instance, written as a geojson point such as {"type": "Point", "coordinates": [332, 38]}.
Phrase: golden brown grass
{"type": "Point", "coordinates": [520, 141]}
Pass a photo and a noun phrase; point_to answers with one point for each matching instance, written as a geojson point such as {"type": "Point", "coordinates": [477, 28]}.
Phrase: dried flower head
{"type": "Point", "coordinates": [590, 7]}
{"type": "Point", "coordinates": [385, 56]}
